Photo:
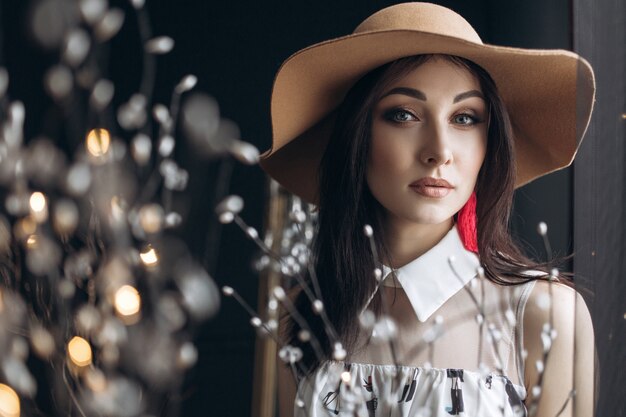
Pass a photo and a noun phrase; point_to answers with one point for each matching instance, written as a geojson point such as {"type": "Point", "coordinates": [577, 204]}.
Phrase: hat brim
{"type": "Point", "coordinates": [549, 95]}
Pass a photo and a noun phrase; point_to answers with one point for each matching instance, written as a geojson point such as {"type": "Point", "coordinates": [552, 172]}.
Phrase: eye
{"type": "Point", "coordinates": [399, 116]}
{"type": "Point", "coordinates": [465, 119]}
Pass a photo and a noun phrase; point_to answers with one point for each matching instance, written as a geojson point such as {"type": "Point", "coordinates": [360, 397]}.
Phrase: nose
{"type": "Point", "coordinates": [435, 149]}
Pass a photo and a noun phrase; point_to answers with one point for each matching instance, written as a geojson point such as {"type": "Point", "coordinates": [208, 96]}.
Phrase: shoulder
{"type": "Point", "coordinates": [559, 343]}
{"type": "Point", "coordinates": [558, 306]}
{"type": "Point", "coordinates": [554, 301]}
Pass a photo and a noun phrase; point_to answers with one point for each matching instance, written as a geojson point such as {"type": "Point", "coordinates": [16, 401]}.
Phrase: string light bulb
{"type": "Point", "coordinates": [98, 142]}
{"type": "Point", "coordinates": [38, 207]}
{"type": "Point", "coordinates": [31, 242]}
{"type": "Point", "coordinates": [149, 256]}
{"type": "Point", "coordinates": [9, 402]}
{"type": "Point", "coordinates": [79, 351]}
{"type": "Point", "coordinates": [127, 301]}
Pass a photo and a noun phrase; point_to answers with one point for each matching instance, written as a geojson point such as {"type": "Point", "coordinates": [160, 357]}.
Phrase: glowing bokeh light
{"type": "Point", "coordinates": [79, 351]}
{"type": "Point", "coordinates": [9, 402]}
{"type": "Point", "coordinates": [149, 257]}
{"type": "Point", "coordinates": [127, 301]}
{"type": "Point", "coordinates": [98, 142]}
{"type": "Point", "coordinates": [37, 202]}
{"type": "Point", "coordinates": [31, 242]}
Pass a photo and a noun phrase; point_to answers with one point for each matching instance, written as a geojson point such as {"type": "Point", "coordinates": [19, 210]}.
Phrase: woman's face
{"type": "Point", "coordinates": [429, 135]}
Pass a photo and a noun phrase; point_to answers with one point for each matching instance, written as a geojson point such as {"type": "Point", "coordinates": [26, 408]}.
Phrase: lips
{"type": "Point", "coordinates": [432, 187]}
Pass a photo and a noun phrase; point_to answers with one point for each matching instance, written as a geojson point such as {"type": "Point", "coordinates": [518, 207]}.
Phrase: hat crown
{"type": "Point", "coordinates": [423, 17]}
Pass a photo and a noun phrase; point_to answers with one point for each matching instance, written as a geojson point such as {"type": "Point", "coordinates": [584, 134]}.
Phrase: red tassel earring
{"type": "Point", "coordinates": [466, 224]}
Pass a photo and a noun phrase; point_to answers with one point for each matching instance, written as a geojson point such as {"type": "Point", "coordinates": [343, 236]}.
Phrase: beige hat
{"type": "Point", "coordinates": [549, 94]}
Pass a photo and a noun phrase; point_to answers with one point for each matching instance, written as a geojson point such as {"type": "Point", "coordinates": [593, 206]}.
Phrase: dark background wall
{"type": "Point", "coordinates": [599, 198]}
{"type": "Point", "coordinates": [235, 48]}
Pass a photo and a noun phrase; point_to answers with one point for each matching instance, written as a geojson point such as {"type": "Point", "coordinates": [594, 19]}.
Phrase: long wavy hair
{"type": "Point", "coordinates": [343, 260]}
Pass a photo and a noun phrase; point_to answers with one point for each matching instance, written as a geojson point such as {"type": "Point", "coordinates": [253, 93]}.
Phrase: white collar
{"type": "Point", "coordinates": [429, 280]}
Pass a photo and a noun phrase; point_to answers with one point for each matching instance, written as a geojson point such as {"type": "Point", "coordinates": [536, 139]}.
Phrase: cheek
{"type": "Point", "coordinates": [381, 162]}
{"type": "Point", "coordinates": [387, 158]}
{"type": "Point", "coordinates": [473, 160]}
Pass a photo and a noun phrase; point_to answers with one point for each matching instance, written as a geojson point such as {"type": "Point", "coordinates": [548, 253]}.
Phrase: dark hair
{"type": "Point", "coordinates": [344, 262]}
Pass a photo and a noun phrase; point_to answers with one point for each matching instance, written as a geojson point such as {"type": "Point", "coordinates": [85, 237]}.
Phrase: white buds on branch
{"type": "Point", "coordinates": [109, 25]}
{"type": "Point", "coordinates": [542, 228]}
{"type": "Point", "coordinates": [160, 45]}
{"type": "Point", "coordinates": [101, 94]}
{"type": "Point", "coordinates": [138, 4]}
{"type": "Point", "coordinates": [187, 83]}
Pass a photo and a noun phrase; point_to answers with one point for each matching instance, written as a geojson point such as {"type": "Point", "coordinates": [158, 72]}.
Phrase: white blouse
{"type": "Point", "coordinates": [458, 346]}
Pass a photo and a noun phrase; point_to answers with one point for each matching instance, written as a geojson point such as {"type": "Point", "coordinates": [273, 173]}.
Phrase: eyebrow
{"type": "Point", "coordinates": [411, 92]}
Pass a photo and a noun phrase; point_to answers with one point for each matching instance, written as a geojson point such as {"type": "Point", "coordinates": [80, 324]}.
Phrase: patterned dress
{"type": "Point", "coordinates": [458, 346]}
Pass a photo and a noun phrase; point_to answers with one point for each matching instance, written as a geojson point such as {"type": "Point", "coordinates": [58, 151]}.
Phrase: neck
{"type": "Point", "coordinates": [407, 241]}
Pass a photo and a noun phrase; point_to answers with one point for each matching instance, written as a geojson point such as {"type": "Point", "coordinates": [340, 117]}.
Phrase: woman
{"type": "Point", "coordinates": [414, 131]}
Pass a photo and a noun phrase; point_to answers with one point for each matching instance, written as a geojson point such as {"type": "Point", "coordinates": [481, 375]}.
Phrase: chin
{"type": "Point", "coordinates": [431, 218]}
{"type": "Point", "coordinates": [434, 214]}
{"type": "Point", "coordinates": [424, 212]}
